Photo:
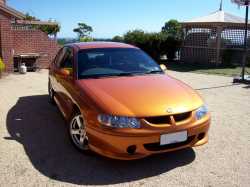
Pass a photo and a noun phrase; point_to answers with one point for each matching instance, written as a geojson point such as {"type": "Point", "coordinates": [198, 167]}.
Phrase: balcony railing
{"type": "Point", "coordinates": [24, 27]}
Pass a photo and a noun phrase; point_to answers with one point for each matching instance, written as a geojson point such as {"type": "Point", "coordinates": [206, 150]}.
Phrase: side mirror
{"type": "Point", "coordinates": [163, 67]}
{"type": "Point", "coordinates": [65, 72]}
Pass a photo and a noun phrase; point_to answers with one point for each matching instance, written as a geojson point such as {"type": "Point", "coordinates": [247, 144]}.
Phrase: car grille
{"type": "Point", "coordinates": [182, 117]}
{"type": "Point", "coordinates": [160, 120]}
{"type": "Point", "coordinates": [158, 147]}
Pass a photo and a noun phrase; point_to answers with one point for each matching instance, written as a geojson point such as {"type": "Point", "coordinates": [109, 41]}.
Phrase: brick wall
{"type": "Point", "coordinates": [35, 41]}
{"type": "Point", "coordinates": [24, 41]}
{"type": "Point", "coordinates": [6, 42]}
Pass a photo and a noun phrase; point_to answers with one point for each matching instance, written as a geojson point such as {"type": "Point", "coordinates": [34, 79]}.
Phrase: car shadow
{"type": "Point", "coordinates": [40, 128]}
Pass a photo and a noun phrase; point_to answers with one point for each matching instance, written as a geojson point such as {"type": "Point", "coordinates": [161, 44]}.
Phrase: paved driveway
{"type": "Point", "coordinates": [34, 148]}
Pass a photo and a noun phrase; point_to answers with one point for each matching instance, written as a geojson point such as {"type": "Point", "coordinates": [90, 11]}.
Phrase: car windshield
{"type": "Point", "coordinates": [107, 62]}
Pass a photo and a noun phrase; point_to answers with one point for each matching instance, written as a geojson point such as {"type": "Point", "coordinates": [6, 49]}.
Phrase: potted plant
{"type": "Point", "coordinates": [2, 67]}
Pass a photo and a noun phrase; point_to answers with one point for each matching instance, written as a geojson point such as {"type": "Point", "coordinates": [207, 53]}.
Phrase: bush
{"type": "Point", "coordinates": [155, 44]}
{"type": "Point", "coordinates": [86, 39]}
{"type": "Point", "coordinates": [118, 39]}
{"type": "Point", "coordinates": [151, 43]}
{"type": "Point", "coordinates": [136, 37]}
{"type": "Point", "coordinates": [167, 42]}
{"type": "Point", "coordinates": [49, 29]}
{"type": "Point", "coordinates": [2, 66]}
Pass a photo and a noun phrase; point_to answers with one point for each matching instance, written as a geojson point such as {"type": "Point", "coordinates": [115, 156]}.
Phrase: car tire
{"type": "Point", "coordinates": [51, 94]}
{"type": "Point", "coordinates": [78, 133]}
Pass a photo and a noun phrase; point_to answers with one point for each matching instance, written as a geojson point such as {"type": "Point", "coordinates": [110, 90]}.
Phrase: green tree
{"type": "Point", "coordinates": [30, 18]}
{"type": "Point", "coordinates": [83, 30]}
{"type": "Point", "coordinates": [173, 34]}
{"type": "Point", "coordinates": [173, 29]}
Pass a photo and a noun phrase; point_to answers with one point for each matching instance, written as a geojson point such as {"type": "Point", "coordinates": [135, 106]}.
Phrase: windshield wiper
{"type": "Point", "coordinates": [129, 73]}
{"type": "Point", "coordinates": [98, 76]}
{"type": "Point", "coordinates": [154, 72]}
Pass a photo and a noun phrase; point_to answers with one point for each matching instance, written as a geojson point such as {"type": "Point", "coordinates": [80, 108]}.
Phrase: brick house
{"type": "Point", "coordinates": [22, 41]}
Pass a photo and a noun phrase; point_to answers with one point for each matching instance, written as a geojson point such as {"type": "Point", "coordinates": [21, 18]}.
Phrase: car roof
{"type": "Point", "coordinates": [95, 45]}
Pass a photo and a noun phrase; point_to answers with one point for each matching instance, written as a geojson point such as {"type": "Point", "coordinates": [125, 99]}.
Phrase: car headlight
{"type": "Point", "coordinates": [119, 121]}
{"type": "Point", "coordinates": [201, 112]}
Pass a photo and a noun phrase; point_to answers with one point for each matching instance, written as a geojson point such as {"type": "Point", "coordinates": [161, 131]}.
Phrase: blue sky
{"type": "Point", "coordinates": [115, 17]}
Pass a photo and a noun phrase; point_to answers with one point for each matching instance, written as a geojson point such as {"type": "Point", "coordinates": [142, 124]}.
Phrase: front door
{"type": "Point", "coordinates": [65, 83]}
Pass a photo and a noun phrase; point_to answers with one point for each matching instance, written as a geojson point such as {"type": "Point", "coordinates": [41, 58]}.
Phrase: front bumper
{"type": "Point", "coordinates": [116, 146]}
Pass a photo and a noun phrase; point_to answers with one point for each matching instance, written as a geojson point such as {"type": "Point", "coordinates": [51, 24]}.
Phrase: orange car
{"type": "Point", "coordinates": [121, 104]}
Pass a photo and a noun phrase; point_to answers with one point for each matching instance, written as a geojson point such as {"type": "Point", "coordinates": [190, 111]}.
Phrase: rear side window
{"type": "Point", "coordinates": [59, 57]}
{"type": "Point", "coordinates": [65, 59]}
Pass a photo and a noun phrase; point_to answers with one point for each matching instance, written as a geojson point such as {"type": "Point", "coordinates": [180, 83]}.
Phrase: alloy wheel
{"type": "Point", "coordinates": [51, 93]}
{"type": "Point", "coordinates": [78, 132]}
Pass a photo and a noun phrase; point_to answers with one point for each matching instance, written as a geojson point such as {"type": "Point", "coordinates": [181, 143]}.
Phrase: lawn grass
{"type": "Point", "coordinates": [225, 71]}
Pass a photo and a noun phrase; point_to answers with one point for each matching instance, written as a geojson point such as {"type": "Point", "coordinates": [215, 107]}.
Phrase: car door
{"type": "Point", "coordinates": [65, 83]}
{"type": "Point", "coordinates": [54, 69]}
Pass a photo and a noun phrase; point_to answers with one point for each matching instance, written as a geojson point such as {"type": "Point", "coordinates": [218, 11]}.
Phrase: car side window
{"type": "Point", "coordinates": [59, 57]}
{"type": "Point", "coordinates": [67, 59]}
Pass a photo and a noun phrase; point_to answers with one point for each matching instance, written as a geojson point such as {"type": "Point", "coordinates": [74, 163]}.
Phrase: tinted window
{"type": "Point", "coordinates": [65, 60]}
{"type": "Point", "coordinates": [59, 57]}
{"type": "Point", "coordinates": [115, 62]}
